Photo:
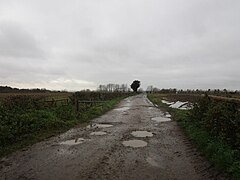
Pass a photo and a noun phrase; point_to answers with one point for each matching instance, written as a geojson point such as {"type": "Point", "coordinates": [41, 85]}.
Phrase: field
{"type": "Point", "coordinates": [193, 98]}
{"type": "Point", "coordinates": [213, 125]}
{"type": "Point", "coordinates": [46, 96]}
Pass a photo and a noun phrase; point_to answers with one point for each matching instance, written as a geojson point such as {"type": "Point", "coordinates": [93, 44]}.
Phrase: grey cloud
{"type": "Point", "coordinates": [175, 43]}
{"type": "Point", "coordinates": [16, 42]}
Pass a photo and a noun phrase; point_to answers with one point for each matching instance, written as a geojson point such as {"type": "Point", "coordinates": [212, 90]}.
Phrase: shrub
{"type": "Point", "coordinates": [20, 102]}
{"type": "Point", "coordinates": [221, 119]}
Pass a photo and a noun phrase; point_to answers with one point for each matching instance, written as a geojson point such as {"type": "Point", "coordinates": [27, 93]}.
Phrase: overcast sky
{"type": "Point", "coordinates": [79, 44]}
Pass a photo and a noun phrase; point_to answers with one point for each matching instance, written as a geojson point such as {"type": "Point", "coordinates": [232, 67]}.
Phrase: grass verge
{"type": "Point", "coordinates": [22, 130]}
{"type": "Point", "coordinates": [222, 156]}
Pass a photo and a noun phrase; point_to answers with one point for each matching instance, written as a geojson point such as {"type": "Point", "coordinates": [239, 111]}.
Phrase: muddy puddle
{"type": "Point", "coordinates": [142, 134]}
{"type": "Point", "coordinates": [99, 133]}
{"type": "Point", "coordinates": [161, 119]}
{"type": "Point", "coordinates": [151, 108]}
{"type": "Point", "coordinates": [152, 162]}
{"type": "Point", "coordinates": [168, 115]}
{"type": "Point", "coordinates": [64, 151]}
{"type": "Point", "coordinates": [73, 142]}
{"type": "Point", "coordinates": [134, 143]}
{"type": "Point", "coordinates": [99, 125]}
{"type": "Point", "coordinates": [122, 109]}
{"type": "Point", "coordinates": [128, 103]}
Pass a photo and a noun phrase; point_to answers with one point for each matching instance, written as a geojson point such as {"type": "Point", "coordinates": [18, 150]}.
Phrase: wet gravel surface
{"type": "Point", "coordinates": [82, 154]}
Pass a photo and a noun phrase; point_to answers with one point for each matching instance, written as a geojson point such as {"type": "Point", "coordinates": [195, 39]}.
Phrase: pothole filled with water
{"type": "Point", "coordinates": [161, 119]}
{"type": "Point", "coordinates": [99, 126]}
{"type": "Point", "coordinates": [142, 134]}
{"type": "Point", "coordinates": [134, 143]}
{"type": "Point", "coordinates": [152, 162]}
{"type": "Point", "coordinates": [168, 115]}
{"type": "Point", "coordinates": [73, 141]}
{"type": "Point", "coordinates": [122, 109]}
{"type": "Point", "coordinates": [99, 133]}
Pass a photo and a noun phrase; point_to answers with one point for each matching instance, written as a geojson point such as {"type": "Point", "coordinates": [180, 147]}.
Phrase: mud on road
{"type": "Point", "coordinates": [133, 141]}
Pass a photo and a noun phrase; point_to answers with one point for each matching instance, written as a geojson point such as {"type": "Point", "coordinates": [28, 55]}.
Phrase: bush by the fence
{"type": "Point", "coordinates": [221, 119]}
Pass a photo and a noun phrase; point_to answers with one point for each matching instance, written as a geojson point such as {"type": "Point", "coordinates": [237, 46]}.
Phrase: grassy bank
{"type": "Point", "coordinates": [22, 125]}
{"type": "Point", "coordinates": [225, 156]}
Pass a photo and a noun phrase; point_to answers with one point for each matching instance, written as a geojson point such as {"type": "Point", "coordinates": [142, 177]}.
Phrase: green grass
{"type": "Point", "coordinates": [222, 156]}
{"type": "Point", "coordinates": [157, 101]}
{"type": "Point", "coordinates": [22, 129]}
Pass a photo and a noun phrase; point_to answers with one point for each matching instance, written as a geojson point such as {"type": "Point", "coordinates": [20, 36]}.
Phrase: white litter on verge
{"type": "Point", "coordinates": [167, 102]}
{"type": "Point", "coordinates": [178, 105]}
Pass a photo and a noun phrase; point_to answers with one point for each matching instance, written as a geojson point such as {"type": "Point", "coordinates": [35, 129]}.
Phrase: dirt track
{"type": "Point", "coordinates": [168, 154]}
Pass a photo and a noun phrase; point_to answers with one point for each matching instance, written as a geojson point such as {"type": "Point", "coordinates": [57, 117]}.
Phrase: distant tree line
{"type": "Point", "coordinates": [113, 88]}
{"type": "Point", "coordinates": [7, 89]}
{"type": "Point", "coordinates": [152, 89]}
